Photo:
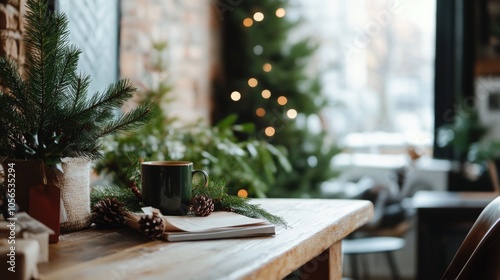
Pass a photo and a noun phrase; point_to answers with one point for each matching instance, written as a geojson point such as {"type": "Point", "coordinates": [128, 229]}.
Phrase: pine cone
{"type": "Point", "coordinates": [202, 205]}
{"type": "Point", "coordinates": [152, 226]}
{"type": "Point", "coordinates": [108, 212]}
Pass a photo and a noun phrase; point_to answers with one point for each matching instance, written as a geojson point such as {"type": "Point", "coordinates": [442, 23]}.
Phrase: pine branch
{"type": "Point", "coordinates": [79, 87]}
{"type": "Point", "coordinates": [114, 96]}
{"type": "Point", "coordinates": [67, 73]}
{"type": "Point", "coordinates": [128, 121]}
{"type": "Point", "coordinates": [217, 191]}
{"type": "Point", "coordinates": [51, 102]}
{"type": "Point", "coordinates": [126, 196]}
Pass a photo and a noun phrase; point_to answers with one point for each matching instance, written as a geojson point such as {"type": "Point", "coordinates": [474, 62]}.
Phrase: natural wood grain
{"type": "Point", "coordinates": [336, 261]}
{"type": "Point", "coordinates": [315, 226]}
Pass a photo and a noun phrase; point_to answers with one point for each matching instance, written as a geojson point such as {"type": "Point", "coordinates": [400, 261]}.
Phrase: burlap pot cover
{"type": "Point", "coordinates": [74, 183]}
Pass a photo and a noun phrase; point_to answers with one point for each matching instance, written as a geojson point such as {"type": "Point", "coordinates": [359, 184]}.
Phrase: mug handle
{"type": "Point", "coordinates": [205, 175]}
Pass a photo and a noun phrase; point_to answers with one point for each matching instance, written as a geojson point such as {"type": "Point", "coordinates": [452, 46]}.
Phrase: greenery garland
{"type": "Point", "coordinates": [216, 190]}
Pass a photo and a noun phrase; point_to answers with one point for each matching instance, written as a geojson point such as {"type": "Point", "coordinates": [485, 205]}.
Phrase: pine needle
{"type": "Point", "coordinates": [216, 189]}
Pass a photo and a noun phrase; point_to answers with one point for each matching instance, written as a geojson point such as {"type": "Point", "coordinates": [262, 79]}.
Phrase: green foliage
{"type": "Point", "coordinates": [249, 164]}
{"type": "Point", "coordinates": [124, 195]}
{"type": "Point", "coordinates": [246, 51]}
{"type": "Point", "coordinates": [464, 133]}
{"type": "Point", "coordinates": [46, 113]}
{"type": "Point", "coordinates": [217, 190]}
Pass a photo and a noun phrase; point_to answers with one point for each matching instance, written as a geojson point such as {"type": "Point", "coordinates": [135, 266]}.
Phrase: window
{"type": "Point", "coordinates": [93, 27]}
{"type": "Point", "coordinates": [376, 58]}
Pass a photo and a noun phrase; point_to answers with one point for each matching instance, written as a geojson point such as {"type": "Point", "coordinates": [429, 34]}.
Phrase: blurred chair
{"type": "Point", "coordinates": [383, 234]}
{"type": "Point", "coordinates": [372, 245]}
{"type": "Point", "coordinates": [479, 255]}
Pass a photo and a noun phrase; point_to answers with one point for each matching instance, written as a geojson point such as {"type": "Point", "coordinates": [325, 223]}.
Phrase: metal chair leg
{"type": "Point", "coordinates": [354, 266]}
{"type": "Point", "coordinates": [364, 264]}
{"type": "Point", "coordinates": [392, 265]}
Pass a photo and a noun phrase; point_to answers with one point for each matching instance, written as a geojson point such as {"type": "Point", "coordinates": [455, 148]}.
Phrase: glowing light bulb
{"type": "Point", "coordinates": [267, 67]}
{"type": "Point", "coordinates": [247, 22]}
{"type": "Point", "coordinates": [282, 100]}
{"type": "Point", "coordinates": [292, 113]}
{"type": "Point", "coordinates": [258, 16]}
{"type": "Point", "coordinates": [260, 112]}
{"type": "Point", "coordinates": [252, 82]}
{"type": "Point", "coordinates": [266, 94]}
{"type": "Point", "coordinates": [235, 96]}
{"type": "Point", "coordinates": [269, 131]}
{"type": "Point", "coordinates": [280, 12]}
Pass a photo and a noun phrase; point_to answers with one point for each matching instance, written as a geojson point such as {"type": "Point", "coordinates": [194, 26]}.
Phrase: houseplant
{"type": "Point", "coordinates": [48, 121]}
{"type": "Point", "coordinates": [471, 142]}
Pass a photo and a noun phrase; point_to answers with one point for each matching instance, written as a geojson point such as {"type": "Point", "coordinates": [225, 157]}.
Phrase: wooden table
{"type": "Point", "coordinates": [443, 220]}
{"type": "Point", "coordinates": [312, 242]}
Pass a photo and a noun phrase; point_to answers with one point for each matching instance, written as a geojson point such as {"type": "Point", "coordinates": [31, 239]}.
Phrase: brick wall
{"type": "Point", "coordinates": [190, 29]}
{"type": "Point", "coordinates": [11, 22]}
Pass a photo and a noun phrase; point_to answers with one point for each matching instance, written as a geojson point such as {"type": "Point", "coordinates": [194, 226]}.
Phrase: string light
{"type": "Point", "coordinates": [258, 16]}
{"type": "Point", "coordinates": [242, 193]}
{"type": "Point", "coordinates": [266, 94]}
{"type": "Point", "coordinates": [247, 22]}
{"type": "Point", "coordinates": [260, 112]}
{"type": "Point", "coordinates": [269, 131]}
{"type": "Point", "coordinates": [292, 113]}
{"type": "Point", "coordinates": [235, 96]}
{"type": "Point", "coordinates": [267, 67]}
{"type": "Point", "coordinates": [252, 82]}
{"type": "Point", "coordinates": [280, 12]}
{"type": "Point", "coordinates": [282, 100]}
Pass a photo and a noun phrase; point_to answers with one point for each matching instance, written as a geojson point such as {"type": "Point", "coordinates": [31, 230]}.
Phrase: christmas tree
{"type": "Point", "coordinates": [267, 83]}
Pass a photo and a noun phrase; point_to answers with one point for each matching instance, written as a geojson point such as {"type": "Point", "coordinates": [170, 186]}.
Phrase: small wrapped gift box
{"type": "Point", "coordinates": [18, 259]}
{"type": "Point", "coordinates": [23, 226]}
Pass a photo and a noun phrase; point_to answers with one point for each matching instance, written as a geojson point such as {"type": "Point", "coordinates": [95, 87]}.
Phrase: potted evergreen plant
{"type": "Point", "coordinates": [50, 127]}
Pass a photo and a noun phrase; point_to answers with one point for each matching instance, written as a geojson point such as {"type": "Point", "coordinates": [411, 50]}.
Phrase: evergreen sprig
{"type": "Point", "coordinates": [47, 113]}
{"type": "Point", "coordinates": [126, 196]}
{"type": "Point", "coordinates": [216, 190]}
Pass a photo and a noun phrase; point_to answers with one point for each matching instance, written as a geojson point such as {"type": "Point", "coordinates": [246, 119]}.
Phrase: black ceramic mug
{"type": "Point", "coordinates": [166, 185]}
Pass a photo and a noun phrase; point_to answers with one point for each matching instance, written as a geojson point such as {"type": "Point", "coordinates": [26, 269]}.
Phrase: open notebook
{"type": "Point", "coordinates": [215, 226]}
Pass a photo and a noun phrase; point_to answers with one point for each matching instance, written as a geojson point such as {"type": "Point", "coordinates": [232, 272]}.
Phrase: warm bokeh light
{"type": "Point", "coordinates": [282, 100]}
{"type": "Point", "coordinates": [258, 16]}
{"type": "Point", "coordinates": [266, 94]}
{"type": "Point", "coordinates": [269, 131]}
{"type": "Point", "coordinates": [252, 82]}
{"type": "Point", "coordinates": [267, 67]}
{"type": "Point", "coordinates": [235, 96]}
{"type": "Point", "coordinates": [292, 113]}
{"type": "Point", "coordinates": [242, 193]}
{"type": "Point", "coordinates": [280, 12]}
{"type": "Point", "coordinates": [247, 22]}
{"type": "Point", "coordinates": [260, 112]}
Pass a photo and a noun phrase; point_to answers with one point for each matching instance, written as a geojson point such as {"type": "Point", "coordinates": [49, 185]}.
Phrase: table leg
{"type": "Point", "coordinates": [336, 261]}
{"type": "Point", "coordinates": [328, 265]}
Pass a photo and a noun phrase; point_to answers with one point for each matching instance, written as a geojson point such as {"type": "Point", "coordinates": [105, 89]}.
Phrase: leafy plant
{"type": "Point", "coordinates": [465, 131]}
{"type": "Point", "coordinates": [249, 164]}
{"type": "Point", "coordinates": [46, 113]}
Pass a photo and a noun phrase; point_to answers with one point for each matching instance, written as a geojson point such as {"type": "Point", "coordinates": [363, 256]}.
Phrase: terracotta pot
{"type": "Point", "coordinates": [73, 182]}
